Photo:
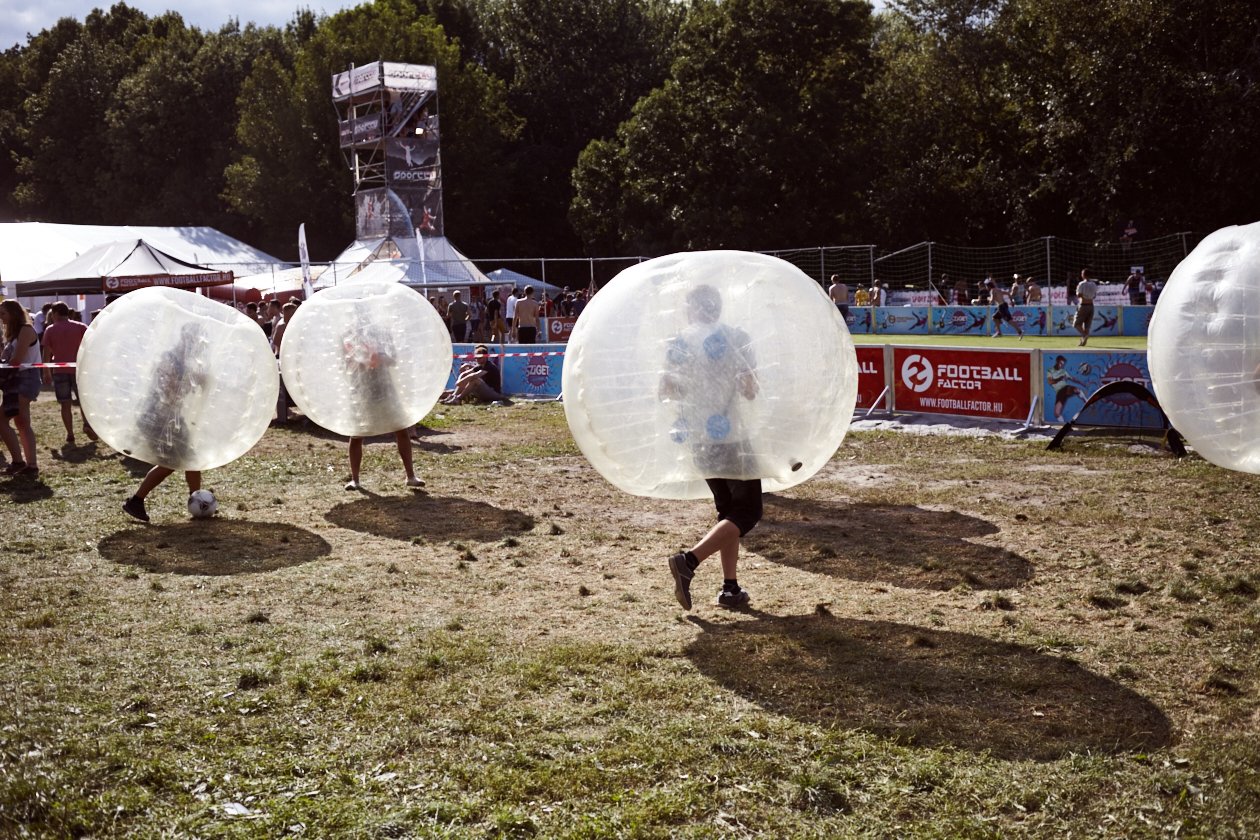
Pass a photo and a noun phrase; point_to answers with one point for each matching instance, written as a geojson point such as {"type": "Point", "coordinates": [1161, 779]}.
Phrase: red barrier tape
{"type": "Point", "coordinates": [70, 365]}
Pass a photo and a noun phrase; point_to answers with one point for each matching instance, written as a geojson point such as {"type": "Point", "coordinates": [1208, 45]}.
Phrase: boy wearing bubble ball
{"type": "Point", "coordinates": [709, 368]}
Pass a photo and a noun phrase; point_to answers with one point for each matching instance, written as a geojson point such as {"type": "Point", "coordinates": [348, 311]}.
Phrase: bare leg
{"type": "Point", "coordinates": [152, 479]}
{"type": "Point", "coordinates": [404, 451]}
{"type": "Point", "coordinates": [193, 477]}
{"type": "Point", "coordinates": [25, 433]}
{"type": "Point", "coordinates": [356, 458]}
{"type": "Point", "coordinates": [67, 419]}
{"type": "Point", "coordinates": [10, 441]}
{"type": "Point", "coordinates": [723, 539]}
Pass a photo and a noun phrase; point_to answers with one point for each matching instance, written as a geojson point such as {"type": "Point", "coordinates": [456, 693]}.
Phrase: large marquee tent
{"type": "Point", "coordinates": [30, 250]}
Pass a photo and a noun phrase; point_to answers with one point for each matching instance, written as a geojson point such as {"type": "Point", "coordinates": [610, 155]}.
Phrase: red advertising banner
{"type": "Point", "coordinates": [872, 375]}
{"type": "Point", "coordinates": [558, 328]}
{"type": "Point", "coordinates": [975, 383]}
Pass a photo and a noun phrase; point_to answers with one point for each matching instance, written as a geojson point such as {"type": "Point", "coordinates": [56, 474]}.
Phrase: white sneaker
{"type": "Point", "coordinates": [415, 483]}
{"type": "Point", "coordinates": [352, 485]}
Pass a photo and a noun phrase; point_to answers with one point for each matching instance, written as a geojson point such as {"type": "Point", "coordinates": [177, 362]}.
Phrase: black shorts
{"type": "Point", "coordinates": [737, 501]}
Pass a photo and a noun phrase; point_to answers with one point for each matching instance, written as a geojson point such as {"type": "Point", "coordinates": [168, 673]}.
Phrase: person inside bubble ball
{"type": "Point", "coordinates": [369, 354]}
{"type": "Point", "coordinates": [709, 368]}
{"type": "Point", "coordinates": [178, 388]}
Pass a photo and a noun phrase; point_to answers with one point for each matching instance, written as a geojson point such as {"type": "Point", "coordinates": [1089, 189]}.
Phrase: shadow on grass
{"type": "Point", "coordinates": [429, 517]}
{"type": "Point", "coordinates": [24, 489]}
{"type": "Point", "coordinates": [421, 436]}
{"type": "Point", "coordinates": [214, 547]}
{"type": "Point", "coordinates": [901, 545]}
{"type": "Point", "coordinates": [926, 688]}
{"type": "Point", "coordinates": [79, 453]}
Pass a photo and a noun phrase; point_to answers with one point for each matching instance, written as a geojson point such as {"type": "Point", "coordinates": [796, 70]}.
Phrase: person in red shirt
{"type": "Point", "coordinates": [62, 338]}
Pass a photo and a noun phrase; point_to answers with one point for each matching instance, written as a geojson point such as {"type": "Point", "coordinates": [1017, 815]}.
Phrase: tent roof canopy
{"type": "Point", "coordinates": [116, 267]}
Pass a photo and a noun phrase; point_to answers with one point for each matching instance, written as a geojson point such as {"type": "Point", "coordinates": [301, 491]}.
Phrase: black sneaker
{"type": "Point", "coordinates": [135, 507]}
{"type": "Point", "coordinates": [682, 579]}
{"type": "Point", "coordinates": [733, 599]}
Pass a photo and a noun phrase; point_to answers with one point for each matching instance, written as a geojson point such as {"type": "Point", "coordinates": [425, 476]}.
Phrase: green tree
{"type": "Point", "coordinates": [944, 129]}
{"type": "Point", "coordinates": [78, 70]}
{"type": "Point", "coordinates": [170, 130]}
{"type": "Point", "coordinates": [1138, 109]}
{"type": "Point", "coordinates": [575, 69]}
{"type": "Point", "coordinates": [755, 140]}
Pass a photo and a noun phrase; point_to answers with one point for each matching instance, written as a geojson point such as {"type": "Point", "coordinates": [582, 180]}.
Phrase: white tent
{"type": "Point", "coordinates": [29, 250]}
{"type": "Point", "coordinates": [508, 277]}
{"type": "Point", "coordinates": [426, 261]}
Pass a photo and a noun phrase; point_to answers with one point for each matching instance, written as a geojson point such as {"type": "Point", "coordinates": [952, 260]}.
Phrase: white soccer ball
{"type": "Point", "coordinates": [176, 379]}
{"type": "Point", "coordinates": [202, 504]}
{"type": "Point", "coordinates": [366, 358]}
{"type": "Point", "coordinates": [715, 364]}
{"type": "Point", "coordinates": [1204, 341]}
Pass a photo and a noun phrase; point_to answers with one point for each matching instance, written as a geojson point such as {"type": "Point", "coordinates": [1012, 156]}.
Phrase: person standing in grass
{"type": "Point", "coordinates": [21, 347]}
{"type": "Point", "coordinates": [61, 346]}
{"type": "Point", "coordinates": [709, 368]}
{"type": "Point", "coordinates": [1086, 291]}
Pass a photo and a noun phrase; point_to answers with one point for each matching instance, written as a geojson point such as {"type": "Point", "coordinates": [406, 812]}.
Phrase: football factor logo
{"type": "Point", "coordinates": [917, 373]}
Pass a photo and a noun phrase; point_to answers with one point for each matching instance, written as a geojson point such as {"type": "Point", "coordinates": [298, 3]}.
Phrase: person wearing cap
{"type": "Point", "coordinates": [479, 381]}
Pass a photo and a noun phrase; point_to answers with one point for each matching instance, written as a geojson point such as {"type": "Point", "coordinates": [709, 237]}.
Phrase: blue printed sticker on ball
{"type": "Point", "coordinates": [718, 427]}
{"type": "Point", "coordinates": [715, 346]}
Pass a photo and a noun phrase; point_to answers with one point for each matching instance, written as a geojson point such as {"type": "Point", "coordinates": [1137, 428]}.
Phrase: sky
{"type": "Point", "coordinates": [18, 18]}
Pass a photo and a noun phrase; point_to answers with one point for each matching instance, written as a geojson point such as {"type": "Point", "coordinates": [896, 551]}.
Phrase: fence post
{"type": "Point", "coordinates": [929, 262]}
{"type": "Point", "coordinates": [1049, 267]}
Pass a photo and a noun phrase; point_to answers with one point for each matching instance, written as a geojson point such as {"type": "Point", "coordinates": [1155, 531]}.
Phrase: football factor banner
{"type": "Point", "coordinates": [972, 383]}
{"type": "Point", "coordinates": [872, 374]}
{"type": "Point", "coordinates": [558, 328]}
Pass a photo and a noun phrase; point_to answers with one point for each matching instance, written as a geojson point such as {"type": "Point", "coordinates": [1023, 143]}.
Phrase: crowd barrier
{"type": "Point", "coordinates": [978, 320]}
{"type": "Point", "coordinates": [1033, 386]}
{"type": "Point", "coordinates": [1013, 384]}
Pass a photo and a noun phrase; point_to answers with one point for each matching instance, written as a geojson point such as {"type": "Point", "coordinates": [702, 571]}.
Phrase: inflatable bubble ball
{"type": "Point", "coordinates": [365, 358]}
{"type": "Point", "coordinates": [173, 378]}
{"type": "Point", "coordinates": [1204, 348]}
{"type": "Point", "coordinates": [717, 364]}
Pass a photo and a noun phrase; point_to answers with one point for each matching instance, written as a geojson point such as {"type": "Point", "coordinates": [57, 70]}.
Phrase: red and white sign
{"type": "Point", "coordinates": [871, 375]}
{"type": "Point", "coordinates": [974, 383]}
{"type": "Point", "coordinates": [558, 329]}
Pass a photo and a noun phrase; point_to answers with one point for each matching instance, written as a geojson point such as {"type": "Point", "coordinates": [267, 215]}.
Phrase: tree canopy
{"type": "Point", "coordinates": [642, 126]}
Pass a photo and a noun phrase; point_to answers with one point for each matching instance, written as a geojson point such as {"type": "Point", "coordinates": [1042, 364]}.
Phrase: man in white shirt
{"type": "Point", "coordinates": [1086, 291]}
{"type": "Point", "coordinates": [509, 312]}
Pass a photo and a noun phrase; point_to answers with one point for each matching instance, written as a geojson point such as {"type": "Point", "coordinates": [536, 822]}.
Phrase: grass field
{"type": "Point", "coordinates": [1048, 342]}
{"type": "Point", "coordinates": [952, 638]}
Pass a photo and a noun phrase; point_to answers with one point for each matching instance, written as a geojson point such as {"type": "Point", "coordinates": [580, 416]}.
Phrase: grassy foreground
{"type": "Point", "coordinates": [952, 638]}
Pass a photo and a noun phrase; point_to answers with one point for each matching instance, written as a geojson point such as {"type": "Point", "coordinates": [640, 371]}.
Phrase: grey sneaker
{"type": "Point", "coordinates": [682, 579]}
{"type": "Point", "coordinates": [135, 507]}
{"type": "Point", "coordinates": [733, 599]}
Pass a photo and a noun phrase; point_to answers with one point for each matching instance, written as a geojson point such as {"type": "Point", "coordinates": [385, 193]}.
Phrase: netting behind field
{"type": "Point", "coordinates": [1050, 260]}
{"type": "Point", "coordinates": [852, 264]}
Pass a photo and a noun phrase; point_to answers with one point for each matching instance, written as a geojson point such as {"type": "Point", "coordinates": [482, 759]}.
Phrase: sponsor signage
{"type": "Point", "coordinates": [902, 320]}
{"type": "Point", "coordinates": [1071, 376]}
{"type": "Point", "coordinates": [414, 161]}
{"type": "Point", "coordinates": [178, 281]}
{"type": "Point", "coordinates": [871, 374]}
{"type": "Point", "coordinates": [558, 328]}
{"type": "Point", "coordinates": [960, 320]}
{"type": "Point", "coordinates": [974, 383]}
{"type": "Point", "coordinates": [388, 75]}
{"type": "Point", "coordinates": [361, 130]}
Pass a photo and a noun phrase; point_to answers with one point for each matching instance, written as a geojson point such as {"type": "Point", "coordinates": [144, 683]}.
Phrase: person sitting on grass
{"type": "Point", "coordinates": [481, 382]}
